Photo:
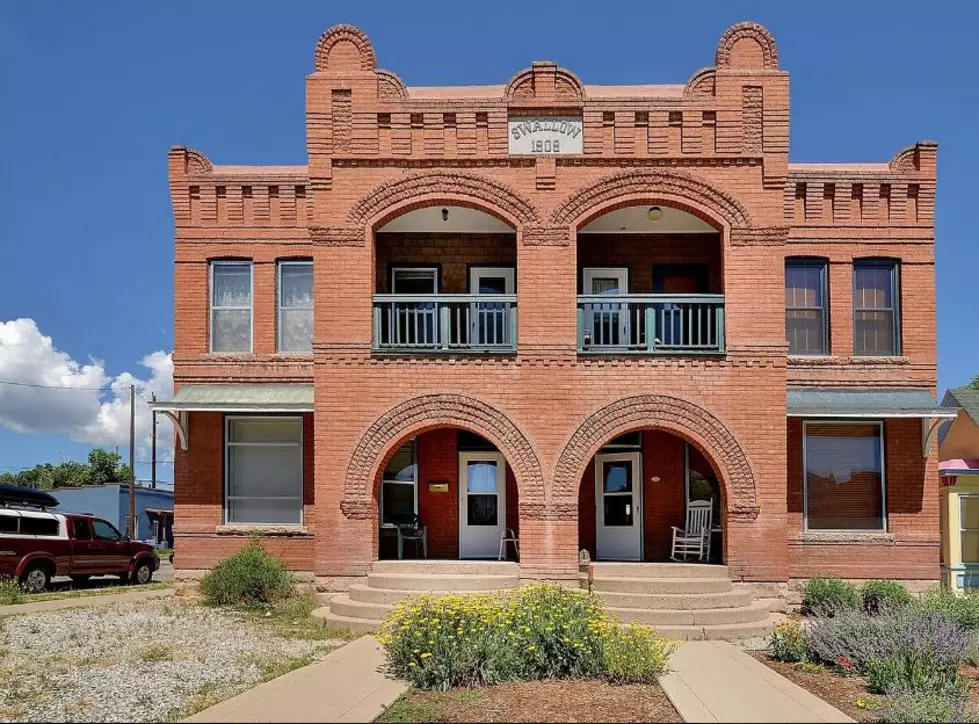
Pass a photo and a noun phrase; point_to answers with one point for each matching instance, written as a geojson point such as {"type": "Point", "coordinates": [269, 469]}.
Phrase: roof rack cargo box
{"type": "Point", "coordinates": [14, 495]}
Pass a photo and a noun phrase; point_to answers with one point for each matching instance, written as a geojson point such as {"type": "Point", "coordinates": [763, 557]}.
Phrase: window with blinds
{"type": "Point", "coordinates": [876, 322]}
{"type": "Point", "coordinates": [844, 468]}
{"type": "Point", "coordinates": [805, 306]}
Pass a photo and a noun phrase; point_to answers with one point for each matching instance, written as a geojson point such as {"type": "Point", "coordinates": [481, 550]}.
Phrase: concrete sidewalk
{"type": "Point", "coordinates": [346, 686]}
{"type": "Point", "coordinates": [94, 599]}
{"type": "Point", "coordinates": [712, 681]}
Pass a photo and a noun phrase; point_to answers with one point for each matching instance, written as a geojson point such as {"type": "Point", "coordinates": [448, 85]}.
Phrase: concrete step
{"type": "Point", "coordinates": [660, 585]}
{"type": "Point", "coordinates": [367, 594]}
{"type": "Point", "coordinates": [726, 632]}
{"type": "Point", "coordinates": [342, 605]}
{"type": "Point", "coordinates": [442, 582]}
{"type": "Point", "coordinates": [666, 618]}
{"type": "Point", "coordinates": [426, 567]}
{"type": "Point", "coordinates": [676, 601]}
{"type": "Point", "coordinates": [660, 570]}
{"type": "Point", "coordinates": [359, 625]}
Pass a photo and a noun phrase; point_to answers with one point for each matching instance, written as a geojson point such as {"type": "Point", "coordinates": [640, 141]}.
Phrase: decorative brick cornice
{"type": "Point", "coordinates": [350, 34]}
{"type": "Point", "coordinates": [742, 31]}
{"type": "Point", "coordinates": [444, 187]}
{"type": "Point", "coordinates": [426, 412]}
{"type": "Point", "coordinates": [701, 83]}
{"type": "Point", "coordinates": [546, 236]}
{"type": "Point", "coordinates": [767, 236]}
{"type": "Point", "coordinates": [676, 415]}
{"type": "Point", "coordinates": [338, 235]}
{"type": "Point", "coordinates": [652, 186]}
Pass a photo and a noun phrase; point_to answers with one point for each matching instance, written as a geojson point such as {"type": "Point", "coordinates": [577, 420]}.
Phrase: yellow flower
{"type": "Point", "coordinates": [426, 655]}
{"type": "Point", "coordinates": [412, 663]}
{"type": "Point", "coordinates": [417, 651]}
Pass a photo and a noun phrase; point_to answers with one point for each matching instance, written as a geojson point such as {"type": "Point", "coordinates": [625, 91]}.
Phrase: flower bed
{"type": "Point", "coordinates": [909, 656]}
{"type": "Point", "coordinates": [535, 632]}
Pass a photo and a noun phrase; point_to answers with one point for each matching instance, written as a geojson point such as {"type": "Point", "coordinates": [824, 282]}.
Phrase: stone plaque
{"type": "Point", "coordinates": [545, 135]}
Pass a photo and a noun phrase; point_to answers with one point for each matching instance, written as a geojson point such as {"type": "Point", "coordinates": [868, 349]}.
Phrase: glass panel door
{"type": "Point", "coordinates": [618, 502]}
{"type": "Point", "coordinates": [482, 503]}
{"type": "Point", "coordinates": [607, 325]}
{"type": "Point", "coordinates": [489, 324]}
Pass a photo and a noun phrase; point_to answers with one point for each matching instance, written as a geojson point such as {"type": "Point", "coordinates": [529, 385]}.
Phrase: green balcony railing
{"type": "Point", "coordinates": [445, 322]}
{"type": "Point", "coordinates": [651, 323]}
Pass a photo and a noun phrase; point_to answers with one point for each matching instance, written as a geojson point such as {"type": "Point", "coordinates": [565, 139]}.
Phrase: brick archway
{"type": "Point", "coordinates": [674, 188]}
{"type": "Point", "coordinates": [427, 412]}
{"type": "Point", "coordinates": [399, 196]}
{"type": "Point", "coordinates": [672, 414]}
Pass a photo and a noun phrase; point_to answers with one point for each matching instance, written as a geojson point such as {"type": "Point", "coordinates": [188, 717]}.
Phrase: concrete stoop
{"type": "Point", "coordinates": [365, 605]}
{"type": "Point", "coordinates": [687, 601]}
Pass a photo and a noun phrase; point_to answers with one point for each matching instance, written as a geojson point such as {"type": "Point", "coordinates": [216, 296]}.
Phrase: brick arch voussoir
{"type": "Point", "coordinates": [654, 184]}
{"type": "Point", "coordinates": [675, 415]}
{"type": "Point", "coordinates": [480, 191]}
{"type": "Point", "coordinates": [431, 411]}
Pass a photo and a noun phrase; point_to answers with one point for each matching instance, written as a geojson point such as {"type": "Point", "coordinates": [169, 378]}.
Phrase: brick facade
{"type": "Point", "coordinates": [716, 148]}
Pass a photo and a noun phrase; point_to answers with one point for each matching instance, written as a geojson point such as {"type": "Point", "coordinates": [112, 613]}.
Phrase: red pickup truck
{"type": "Point", "coordinates": [36, 545]}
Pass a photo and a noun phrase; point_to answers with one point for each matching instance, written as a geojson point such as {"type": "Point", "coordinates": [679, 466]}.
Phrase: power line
{"type": "Point", "coordinates": [56, 387]}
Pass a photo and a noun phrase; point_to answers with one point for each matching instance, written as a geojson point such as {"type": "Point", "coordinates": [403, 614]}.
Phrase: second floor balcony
{"type": "Point", "coordinates": [647, 284]}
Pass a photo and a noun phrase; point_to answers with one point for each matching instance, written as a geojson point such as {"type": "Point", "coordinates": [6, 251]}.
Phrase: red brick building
{"type": "Point", "coordinates": [560, 308]}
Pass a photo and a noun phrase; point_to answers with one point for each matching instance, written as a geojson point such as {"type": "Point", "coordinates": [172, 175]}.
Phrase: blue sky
{"type": "Point", "coordinates": [95, 93]}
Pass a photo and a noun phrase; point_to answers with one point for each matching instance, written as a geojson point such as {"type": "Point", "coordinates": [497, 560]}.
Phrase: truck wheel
{"type": "Point", "coordinates": [143, 573]}
{"type": "Point", "coordinates": [36, 578]}
{"type": "Point", "coordinates": [80, 579]}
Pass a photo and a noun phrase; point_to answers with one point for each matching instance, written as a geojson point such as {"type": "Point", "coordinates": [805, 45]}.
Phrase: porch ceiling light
{"type": "Point", "coordinates": [655, 213]}
{"type": "Point", "coordinates": [445, 214]}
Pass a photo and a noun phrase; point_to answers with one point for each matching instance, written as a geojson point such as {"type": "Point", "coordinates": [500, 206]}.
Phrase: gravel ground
{"type": "Point", "coordinates": [137, 662]}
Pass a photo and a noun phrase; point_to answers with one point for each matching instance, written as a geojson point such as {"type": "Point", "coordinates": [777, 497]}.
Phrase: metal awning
{"type": "Point", "coordinates": [232, 398]}
{"type": "Point", "coordinates": [873, 405]}
{"type": "Point", "coordinates": [865, 403]}
{"type": "Point", "coordinates": [969, 466]}
{"type": "Point", "coordinates": [239, 398]}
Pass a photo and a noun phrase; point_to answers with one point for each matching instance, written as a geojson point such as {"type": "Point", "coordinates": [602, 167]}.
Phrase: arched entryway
{"type": "Point", "coordinates": [460, 489]}
{"type": "Point", "coordinates": [636, 488]}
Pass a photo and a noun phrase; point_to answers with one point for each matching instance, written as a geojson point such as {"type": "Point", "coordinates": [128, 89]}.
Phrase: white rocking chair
{"type": "Point", "coordinates": [694, 539]}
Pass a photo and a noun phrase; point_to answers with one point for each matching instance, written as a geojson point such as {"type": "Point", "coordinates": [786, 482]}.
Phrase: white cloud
{"type": "Point", "coordinates": [82, 413]}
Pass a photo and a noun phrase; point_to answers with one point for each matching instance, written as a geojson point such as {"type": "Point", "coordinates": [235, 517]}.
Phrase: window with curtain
{"type": "Point", "coordinates": [398, 485]}
{"type": "Point", "coordinates": [844, 476]}
{"type": "Point", "coordinates": [264, 470]}
{"type": "Point", "coordinates": [296, 306]}
{"type": "Point", "coordinates": [969, 528]}
{"type": "Point", "coordinates": [875, 308]}
{"type": "Point", "coordinates": [231, 306]}
{"type": "Point", "coordinates": [805, 307]}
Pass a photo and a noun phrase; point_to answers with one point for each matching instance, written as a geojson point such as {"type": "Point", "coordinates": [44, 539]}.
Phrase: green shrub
{"type": "Point", "coordinates": [936, 706]}
{"type": "Point", "coordinates": [634, 655]}
{"type": "Point", "coordinates": [788, 642]}
{"type": "Point", "coordinates": [535, 632]}
{"type": "Point", "coordinates": [249, 577]}
{"type": "Point", "coordinates": [879, 596]}
{"type": "Point", "coordinates": [963, 608]}
{"type": "Point", "coordinates": [828, 596]}
{"type": "Point", "coordinates": [11, 592]}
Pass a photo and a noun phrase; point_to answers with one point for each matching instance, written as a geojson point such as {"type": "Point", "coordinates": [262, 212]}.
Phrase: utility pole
{"type": "Point", "coordinates": [153, 455]}
{"type": "Point", "coordinates": [131, 527]}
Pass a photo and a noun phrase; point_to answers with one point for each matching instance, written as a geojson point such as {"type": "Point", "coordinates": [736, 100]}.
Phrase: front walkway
{"type": "Point", "coordinates": [712, 681]}
{"type": "Point", "coordinates": [346, 686]}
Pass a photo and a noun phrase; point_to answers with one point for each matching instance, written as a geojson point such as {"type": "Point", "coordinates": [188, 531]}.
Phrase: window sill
{"type": "Point", "coordinates": [262, 529]}
{"type": "Point", "coordinates": [843, 537]}
{"type": "Point", "coordinates": [814, 359]}
{"type": "Point", "coordinates": [880, 359]}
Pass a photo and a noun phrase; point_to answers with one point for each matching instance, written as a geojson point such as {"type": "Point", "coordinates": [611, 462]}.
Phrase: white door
{"type": "Point", "coordinates": [489, 323]}
{"type": "Point", "coordinates": [607, 325]}
{"type": "Point", "coordinates": [482, 503]}
{"type": "Point", "coordinates": [618, 503]}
